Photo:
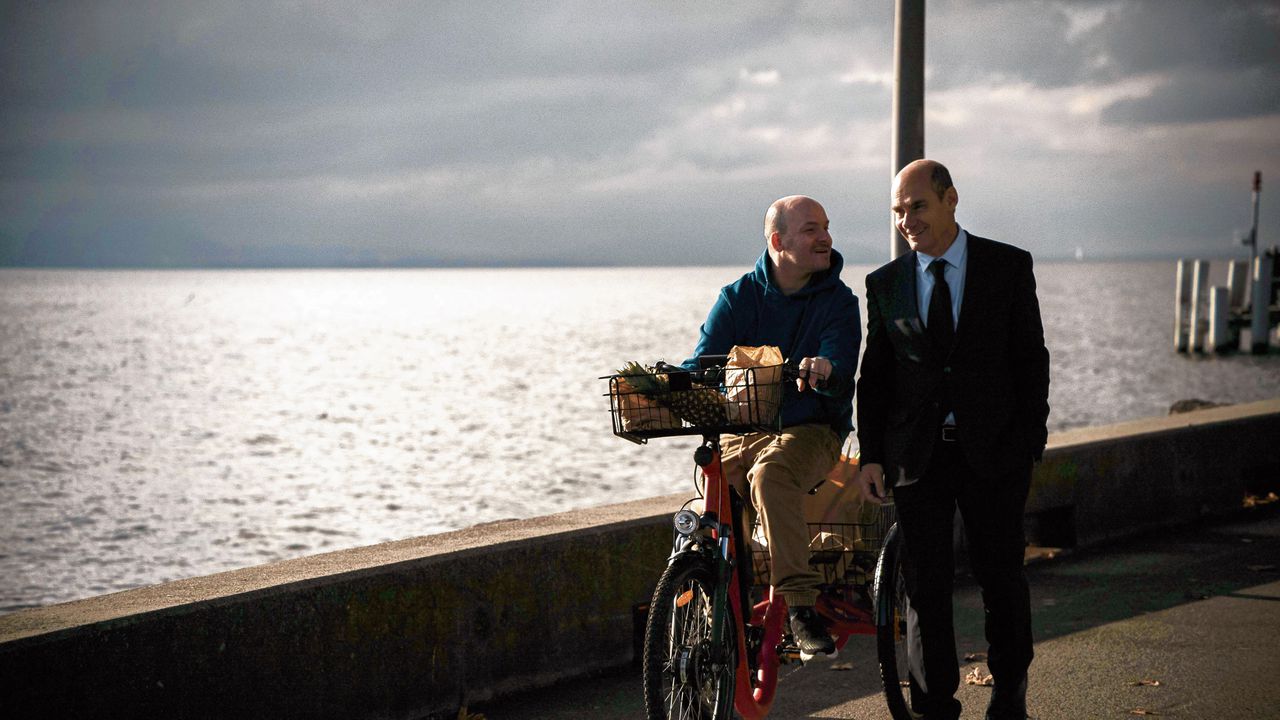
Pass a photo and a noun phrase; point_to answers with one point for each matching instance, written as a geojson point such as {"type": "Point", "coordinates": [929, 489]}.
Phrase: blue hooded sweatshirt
{"type": "Point", "coordinates": [819, 320]}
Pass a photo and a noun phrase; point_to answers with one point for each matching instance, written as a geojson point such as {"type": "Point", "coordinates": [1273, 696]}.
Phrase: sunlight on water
{"type": "Point", "coordinates": [159, 425]}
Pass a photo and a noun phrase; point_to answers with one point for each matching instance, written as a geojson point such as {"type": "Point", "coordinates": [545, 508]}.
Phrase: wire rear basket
{"type": "Point", "coordinates": [842, 553]}
{"type": "Point", "coordinates": [728, 401]}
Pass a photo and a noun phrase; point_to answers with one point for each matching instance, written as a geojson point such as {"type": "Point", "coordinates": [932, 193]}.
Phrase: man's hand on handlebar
{"type": "Point", "coordinates": [871, 483]}
{"type": "Point", "coordinates": [814, 372]}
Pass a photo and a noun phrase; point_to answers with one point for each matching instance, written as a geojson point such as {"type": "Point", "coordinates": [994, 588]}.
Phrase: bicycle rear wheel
{"type": "Point", "coordinates": [891, 608]}
{"type": "Point", "coordinates": [686, 676]}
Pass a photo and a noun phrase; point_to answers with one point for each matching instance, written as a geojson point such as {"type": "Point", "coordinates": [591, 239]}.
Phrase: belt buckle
{"type": "Point", "coordinates": [948, 433]}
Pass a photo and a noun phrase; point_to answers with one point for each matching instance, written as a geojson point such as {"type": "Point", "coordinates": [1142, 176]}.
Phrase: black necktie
{"type": "Point", "coordinates": [941, 325]}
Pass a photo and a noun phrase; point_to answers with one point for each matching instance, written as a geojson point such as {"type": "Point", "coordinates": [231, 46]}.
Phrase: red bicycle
{"type": "Point", "coordinates": [717, 633]}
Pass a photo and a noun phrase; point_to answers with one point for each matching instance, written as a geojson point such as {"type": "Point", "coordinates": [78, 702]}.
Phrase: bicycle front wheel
{"type": "Point", "coordinates": [891, 610]}
{"type": "Point", "coordinates": [686, 675]}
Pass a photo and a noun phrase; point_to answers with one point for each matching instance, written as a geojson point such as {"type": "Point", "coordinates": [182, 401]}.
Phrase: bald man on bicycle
{"type": "Point", "coordinates": [794, 300]}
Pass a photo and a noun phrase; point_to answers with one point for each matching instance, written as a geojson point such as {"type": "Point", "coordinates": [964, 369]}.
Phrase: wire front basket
{"type": "Point", "coordinates": [728, 401]}
{"type": "Point", "coordinates": [842, 553]}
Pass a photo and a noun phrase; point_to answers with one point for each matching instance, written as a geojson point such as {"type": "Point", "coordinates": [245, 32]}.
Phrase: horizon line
{"type": "Point", "coordinates": [550, 264]}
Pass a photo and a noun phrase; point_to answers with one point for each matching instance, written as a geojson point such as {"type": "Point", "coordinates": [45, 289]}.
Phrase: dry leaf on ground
{"type": "Point", "coordinates": [842, 666]}
{"type": "Point", "coordinates": [975, 657]}
{"type": "Point", "coordinates": [1251, 501]}
{"type": "Point", "coordinates": [977, 677]}
{"type": "Point", "coordinates": [1262, 568]}
{"type": "Point", "coordinates": [464, 714]}
{"type": "Point", "coordinates": [1147, 683]}
{"type": "Point", "coordinates": [1142, 711]}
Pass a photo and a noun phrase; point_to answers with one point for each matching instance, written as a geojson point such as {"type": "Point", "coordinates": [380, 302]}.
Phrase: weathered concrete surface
{"type": "Point", "coordinates": [1196, 609]}
{"type": "Point", "coordinates": [1104, 483]}
{"type": "Point", "coordinates": [400, 630]}
{"type": "Point", "coordinates": [422, 626]}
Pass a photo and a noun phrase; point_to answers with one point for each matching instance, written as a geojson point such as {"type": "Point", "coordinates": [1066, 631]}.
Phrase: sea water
{"type": "Point", "coordinates": [156, 425]}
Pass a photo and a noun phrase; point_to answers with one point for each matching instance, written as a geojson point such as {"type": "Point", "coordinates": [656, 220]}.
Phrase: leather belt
{"type": "Point", "coordinates": [948, 433]}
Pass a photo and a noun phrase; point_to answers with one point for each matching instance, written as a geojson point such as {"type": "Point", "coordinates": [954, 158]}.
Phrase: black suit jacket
{"type": "Point", "coordinates": [996, 374]}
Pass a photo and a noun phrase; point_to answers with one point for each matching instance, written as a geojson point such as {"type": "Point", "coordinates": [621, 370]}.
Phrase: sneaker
{"type": "Point", "coordinates": [811, 633]}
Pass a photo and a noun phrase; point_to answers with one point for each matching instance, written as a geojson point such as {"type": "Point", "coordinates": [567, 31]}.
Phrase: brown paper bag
{"type": "Point", "coordinates": [837, 500]}
{"type": "Point", "coordinates": [752, 382]}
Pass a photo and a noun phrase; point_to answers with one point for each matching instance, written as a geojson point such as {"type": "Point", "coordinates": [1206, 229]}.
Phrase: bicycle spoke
{"type": "Point", "coordinates": [691, 680]}
{"type": "Point", "coordinates": [892, 609]}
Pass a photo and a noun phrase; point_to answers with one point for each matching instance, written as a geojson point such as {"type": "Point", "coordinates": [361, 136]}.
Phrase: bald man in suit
{"type": "Point", "coordinates": [952, 410]}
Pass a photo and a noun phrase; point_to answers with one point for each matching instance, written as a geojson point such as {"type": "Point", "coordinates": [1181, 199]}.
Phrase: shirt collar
{"type": "Point", "coordinates": [954, 255]}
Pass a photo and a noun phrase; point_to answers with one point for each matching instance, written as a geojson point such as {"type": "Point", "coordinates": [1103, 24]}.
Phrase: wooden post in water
{"type": "Point", "coordinates": [1219, 320]}
{"type": "Point", "coordinates": [1237, 283]}
{"type": "Point", "coordinates": [1253, 232]}
{"type": "Point", "coordinates": [1260, 312]}
{"type": "Point", "coordinates": [1181, 296]}
{"type": "Point", "coordinates": [1199, 281]}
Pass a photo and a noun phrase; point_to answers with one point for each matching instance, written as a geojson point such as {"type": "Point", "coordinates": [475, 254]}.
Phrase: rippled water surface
{"type": "Point", "coordinates": [159, 425]}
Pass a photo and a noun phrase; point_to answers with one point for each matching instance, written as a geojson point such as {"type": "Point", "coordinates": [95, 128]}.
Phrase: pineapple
{"type": "Point", "coordinates": [697, 406]}
{"type": "Point", "coordinates": [643, 380]}
{"type": "Point", "coordinates": [636, 391]}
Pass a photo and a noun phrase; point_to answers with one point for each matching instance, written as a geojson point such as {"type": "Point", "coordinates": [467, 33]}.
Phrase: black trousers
{"type": "Point", "coordinates": [991, 508]}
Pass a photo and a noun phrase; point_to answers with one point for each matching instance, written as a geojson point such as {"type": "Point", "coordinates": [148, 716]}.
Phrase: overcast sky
{"type": "Point", "coordinates": [496, 133]}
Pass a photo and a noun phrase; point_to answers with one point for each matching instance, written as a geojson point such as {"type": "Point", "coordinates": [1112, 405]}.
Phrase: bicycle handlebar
{"type": "Point", "coordinates": [711, 368]}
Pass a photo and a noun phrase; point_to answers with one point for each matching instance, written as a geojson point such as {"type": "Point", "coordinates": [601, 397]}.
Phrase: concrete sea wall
{"type": "Point", "coordinates": [1105, 483]}
{"type": "Point", "coordinates": [417, 628]}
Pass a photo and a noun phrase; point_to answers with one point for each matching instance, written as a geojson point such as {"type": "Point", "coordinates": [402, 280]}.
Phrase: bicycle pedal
{"type": "Point", "coordinates": [789, 654]}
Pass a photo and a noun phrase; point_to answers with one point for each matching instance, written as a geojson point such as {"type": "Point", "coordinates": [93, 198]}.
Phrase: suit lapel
{"type": "Point", "coordinates": [981, 279]}
{"type": "Point", "coordinates": [906, 280]}
{"type": "Point", "coordinates": [904, 312]}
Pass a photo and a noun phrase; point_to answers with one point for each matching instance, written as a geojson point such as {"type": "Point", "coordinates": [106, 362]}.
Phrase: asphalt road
{"type": "Point", "coordinates": [1181, 625]}
{"type": "Point", "coordinates": [1184, 624]}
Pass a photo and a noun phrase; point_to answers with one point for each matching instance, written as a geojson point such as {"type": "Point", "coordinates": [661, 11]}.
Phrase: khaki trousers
{"type": "Point", "coordinates": [780, 470]}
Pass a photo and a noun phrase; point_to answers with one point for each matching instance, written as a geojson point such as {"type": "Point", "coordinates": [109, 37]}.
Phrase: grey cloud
{"type": "Point", "coordinates": [212, 53]}
{"type": "Point", "coordinates": [1202, 97]}
{"type": "Point", "coordinates": [226, 145]}
{"type": "Point", "coordinates": [975, 41]}
{"type": "Point", "coordinates": [972, 42]}
{"type": "Point", "coordinates": [213, 81]}
{"type": "Point", "coordinates": [286, 93]}
{"type": "Point", "coordinates": [1217, 60]}
{"type": "Point", "coordinates": [1212, 60]}
{"type": "Point", "coordinates": [491, 132]}
{"type": "Point", "coordinates": [1146, 36]}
